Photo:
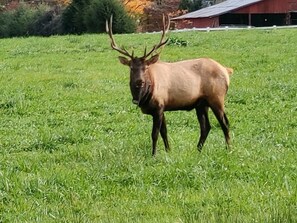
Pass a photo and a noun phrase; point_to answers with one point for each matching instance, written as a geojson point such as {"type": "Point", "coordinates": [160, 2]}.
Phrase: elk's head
{"type": "Point", "coordinates": [140, 83]}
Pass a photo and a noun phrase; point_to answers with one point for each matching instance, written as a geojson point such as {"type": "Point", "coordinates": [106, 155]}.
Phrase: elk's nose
{"type": "Point", "coordinates": [135, 101]}
{"type": "Point", "coordinates": [139, 84]}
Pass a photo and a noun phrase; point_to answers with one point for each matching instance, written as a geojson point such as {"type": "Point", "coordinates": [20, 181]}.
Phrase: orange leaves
{"type": "Point", "coordinates": [63, 2]}
{"type": "Point", "coordinates": [136, 6]}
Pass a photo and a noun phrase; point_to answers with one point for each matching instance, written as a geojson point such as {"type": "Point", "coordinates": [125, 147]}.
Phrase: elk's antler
{"type": "Point", "coordinates": [113, 43]}
{"type": "Point", "coordinates": [162, 41]}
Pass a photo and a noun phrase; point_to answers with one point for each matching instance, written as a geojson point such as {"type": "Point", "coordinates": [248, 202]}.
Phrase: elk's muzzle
{"type": "Point", "coordinates": [135, 102]}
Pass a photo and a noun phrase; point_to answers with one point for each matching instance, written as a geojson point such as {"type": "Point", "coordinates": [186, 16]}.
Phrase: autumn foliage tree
{"type": "Point", "coordinates": [152, 21]}
{"type": "Point", "coordinates": [62, 2]}
{"type": "Point", "coordinates": [136, 7]}
{"type": "Point", "coordinates": [148, 13]}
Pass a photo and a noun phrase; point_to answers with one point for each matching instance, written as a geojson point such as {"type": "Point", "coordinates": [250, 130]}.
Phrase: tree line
{"type": "Point", "coordinates": [58, 17]}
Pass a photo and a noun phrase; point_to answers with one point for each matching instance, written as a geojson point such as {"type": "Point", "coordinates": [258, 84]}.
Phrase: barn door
{"type": "Point", "coordinates": [292, 12]}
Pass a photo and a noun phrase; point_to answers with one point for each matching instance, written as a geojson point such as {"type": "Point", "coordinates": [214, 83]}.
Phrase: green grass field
{"type": "Point", "coordinates": [73, 147]}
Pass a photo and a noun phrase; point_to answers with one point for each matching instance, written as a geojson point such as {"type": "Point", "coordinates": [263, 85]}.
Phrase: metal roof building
{"type": "Point", "coordinates": [241, 12]}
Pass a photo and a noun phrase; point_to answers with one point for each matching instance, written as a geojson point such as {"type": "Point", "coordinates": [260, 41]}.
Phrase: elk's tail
{"type": "Point", "coordinates": [229, 71]}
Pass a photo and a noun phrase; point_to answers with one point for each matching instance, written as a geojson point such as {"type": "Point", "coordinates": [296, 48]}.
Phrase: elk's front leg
{"type": "Point", "coordinates": [157, 123]}
{"type": "Point", "coordinates": [164, 134]}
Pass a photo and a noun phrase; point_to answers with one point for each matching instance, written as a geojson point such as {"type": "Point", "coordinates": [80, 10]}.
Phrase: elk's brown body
{"type": "Point", "coordinates": [158, 86]}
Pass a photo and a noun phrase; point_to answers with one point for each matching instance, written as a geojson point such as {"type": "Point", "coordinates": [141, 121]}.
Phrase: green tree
{"type": "Point", "coordinates": [190, 5]}
{"type": "Point", "coordinates": [18, 22]}
{"type": "Point", "coordinates": [72, 17]}
{"type": "Point", "coordinates": [90, 16]}
{"type": "Point", "coordinates": [99, 11]}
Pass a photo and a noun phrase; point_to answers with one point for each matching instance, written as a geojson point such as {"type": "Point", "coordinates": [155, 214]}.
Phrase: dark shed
{"type": "Point", "coordinates": [241, 13]}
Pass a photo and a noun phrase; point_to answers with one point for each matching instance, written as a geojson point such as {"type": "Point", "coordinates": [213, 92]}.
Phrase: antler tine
{"type": "Point", "coordinates": [145, 50]}
{"type": "Point", "coordinates": [165, 29]}
{"type": "Point", "coordinates": [113, 43]}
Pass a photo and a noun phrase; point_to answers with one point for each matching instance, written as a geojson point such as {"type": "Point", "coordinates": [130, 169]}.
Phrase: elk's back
{"type": "Point", "coordinates": [181, 84]}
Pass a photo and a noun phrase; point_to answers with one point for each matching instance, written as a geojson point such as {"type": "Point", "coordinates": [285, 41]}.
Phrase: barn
{"type": "Point", "coordinates": [258, 13]}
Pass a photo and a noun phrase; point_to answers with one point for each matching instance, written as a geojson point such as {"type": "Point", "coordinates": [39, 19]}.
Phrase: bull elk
{"type": "Point", "coordinates": [158, 86]}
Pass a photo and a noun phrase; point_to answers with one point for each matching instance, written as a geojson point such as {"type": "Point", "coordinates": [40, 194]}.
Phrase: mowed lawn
{"type": "Point", "coordinates": [73, 147]}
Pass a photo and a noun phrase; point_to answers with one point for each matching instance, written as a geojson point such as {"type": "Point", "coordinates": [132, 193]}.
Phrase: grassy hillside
{"type": "Point", "coordinates": [73, 148]}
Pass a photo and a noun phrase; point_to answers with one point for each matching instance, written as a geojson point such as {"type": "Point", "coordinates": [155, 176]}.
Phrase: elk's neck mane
{"type": "Point", "coordinates": [148, 91]}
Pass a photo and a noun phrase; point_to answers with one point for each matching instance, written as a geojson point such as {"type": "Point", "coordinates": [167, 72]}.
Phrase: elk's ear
{"type": "Point", "coordinates": [152, 60]}
{"type": "Point", "coordinates": [124, 61]}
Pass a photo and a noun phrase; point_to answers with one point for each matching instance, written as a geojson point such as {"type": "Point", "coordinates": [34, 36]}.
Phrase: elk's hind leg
{"type": "Point", "coordinates": [224, 123]}
{"type": "Point", "coordinates": [202, 115]}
